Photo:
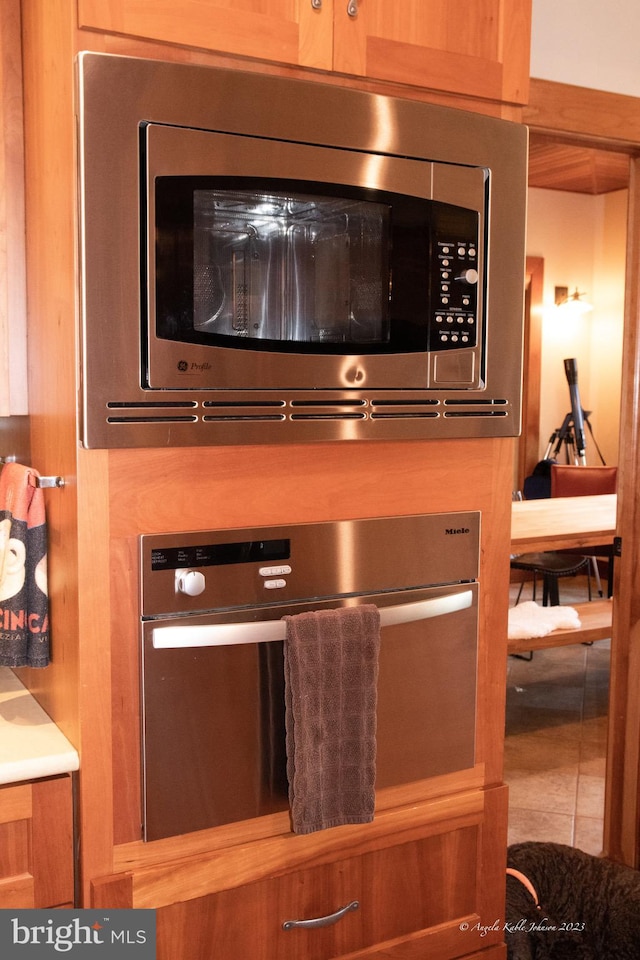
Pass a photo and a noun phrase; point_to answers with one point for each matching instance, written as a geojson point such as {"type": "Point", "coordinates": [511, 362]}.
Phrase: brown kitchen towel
{"type": "Point", "coordinates": [24, 603]}
{"type": "Point", "coordinates": [331, 684]}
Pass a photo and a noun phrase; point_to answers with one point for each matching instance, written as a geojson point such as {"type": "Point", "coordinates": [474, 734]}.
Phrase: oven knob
{"type": "Point", "coordinates": [469, 276]}
{"type": "Point", "coordinates": [191, 582]}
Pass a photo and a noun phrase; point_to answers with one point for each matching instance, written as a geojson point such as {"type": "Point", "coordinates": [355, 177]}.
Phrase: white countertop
{"type": "Point", "coordinates": [31, 745]}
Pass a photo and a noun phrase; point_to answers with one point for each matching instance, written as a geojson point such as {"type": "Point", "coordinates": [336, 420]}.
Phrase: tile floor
{"type": "Point", "coordinates": [555, 742]}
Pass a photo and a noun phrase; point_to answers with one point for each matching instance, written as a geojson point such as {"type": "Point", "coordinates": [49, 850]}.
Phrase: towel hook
{"type": "Point", "coordinates": [43, 482]}
{"type": "Point", "coordinates": [46, 482]}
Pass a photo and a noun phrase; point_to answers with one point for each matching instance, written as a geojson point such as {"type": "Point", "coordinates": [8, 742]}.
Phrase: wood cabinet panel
{"type": "Point", "coordinates": [430, 882]}
{"type": "Point", "coordinates": [284, 31]}
{"type": "Point", "coordinates": [16, 892]}
{"type": "Point", "coordinates": [297, 484]}
{"type": "Point", "coordinates": [400, 890]}
{"type": "Point", "coordinates": [13, 307]}
{"type": "Point", "coordinates": [479, 50]}
{"type": "Point", "coordinates": [15, 803]}
{"type": "Point", "coordinates": [36, 844]}
{"type": "Point", "coordinates": [14, 848]}
{"type": "Point", "coordinates": [52, 841]}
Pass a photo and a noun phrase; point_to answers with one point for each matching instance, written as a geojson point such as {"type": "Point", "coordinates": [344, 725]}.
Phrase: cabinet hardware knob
{"type": "Point", "coordinates": [316, 4]}
{"type": "Point", "coordinates": [352, 8]}
{"type": "Point", "coordinates": [321, 921]}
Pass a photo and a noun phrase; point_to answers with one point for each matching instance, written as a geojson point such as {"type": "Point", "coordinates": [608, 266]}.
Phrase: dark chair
{"type": "Point", "coordinates": [551, 566]}
{"type": "Point", "coordinates": [565, 481]}
{"type": "Point", "coordinates": [570, 481]}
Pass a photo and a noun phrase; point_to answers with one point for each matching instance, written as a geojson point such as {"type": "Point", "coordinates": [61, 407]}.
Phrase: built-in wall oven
{"type": "Point", "coordinates": [266, 259]}
{"type": "Point", "coordinates": [212, 655]}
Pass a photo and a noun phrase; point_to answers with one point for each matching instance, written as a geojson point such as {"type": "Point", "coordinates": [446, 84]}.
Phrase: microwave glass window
{"type": "Point", "coordinates": [275, 266]}
{"type": "Point", "coordinates": [283, 265]}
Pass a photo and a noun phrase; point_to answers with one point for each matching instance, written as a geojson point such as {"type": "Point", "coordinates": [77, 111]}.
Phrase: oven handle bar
{"type": "Point", "coordinates": [260, 631]}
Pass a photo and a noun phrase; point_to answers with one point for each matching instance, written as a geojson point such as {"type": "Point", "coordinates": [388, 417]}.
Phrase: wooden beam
{"type": "Point", "coordinates": [581, 115]}
{"type": "Point", "coordinates": [622, 798]}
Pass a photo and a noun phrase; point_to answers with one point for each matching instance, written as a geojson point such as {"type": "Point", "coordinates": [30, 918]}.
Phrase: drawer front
{"type": "Point", "coordinates": [399, 890]}
{"type": "Point", "coordinates": [36, 844]}
{"type": "Point", "coordinates": [421, 885]}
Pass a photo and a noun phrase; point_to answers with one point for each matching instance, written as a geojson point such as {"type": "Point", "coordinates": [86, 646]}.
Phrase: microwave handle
{"type": "Point", "coordinates": [260, 631]}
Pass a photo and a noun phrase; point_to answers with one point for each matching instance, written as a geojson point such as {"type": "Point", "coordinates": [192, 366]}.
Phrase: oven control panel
{"type": "Point", "coordinates": [193, 582]}
{"type": "Point", "coordinates": [224, 570]}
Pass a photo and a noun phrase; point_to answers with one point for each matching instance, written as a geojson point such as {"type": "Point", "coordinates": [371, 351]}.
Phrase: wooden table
{"type": "Point", "coordinates": [562, 523]}
{"type": "Point", "coordinates": [566, 523]}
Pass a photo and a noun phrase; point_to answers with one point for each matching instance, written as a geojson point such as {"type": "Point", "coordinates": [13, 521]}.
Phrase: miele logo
{"type": "Point", "coordinates": [183, 366]}
{"type": "Point", "coordinates": [454, 531]}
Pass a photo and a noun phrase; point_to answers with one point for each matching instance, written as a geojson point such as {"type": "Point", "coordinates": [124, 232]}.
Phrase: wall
{"type": "Point", "coordinates": [607, 321]}
{"type": "Point", "coordinates": [582, 240]}
{"type": "Point", "coordinates": [587, 43]}
{"type": "Point", "coordinates": [590, 44]}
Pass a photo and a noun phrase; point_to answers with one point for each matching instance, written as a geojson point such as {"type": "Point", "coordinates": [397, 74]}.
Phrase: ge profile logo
{"type": "Point", "coordinates": [183, 366]}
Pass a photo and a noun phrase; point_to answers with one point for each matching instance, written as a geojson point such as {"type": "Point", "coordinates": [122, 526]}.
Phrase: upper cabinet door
{"type": "Point", "coordinates": [13, 297]}
{"type": "Point", "coordinates": [478, 49]}
{"type": "Point", "coordinates": [285, 31]}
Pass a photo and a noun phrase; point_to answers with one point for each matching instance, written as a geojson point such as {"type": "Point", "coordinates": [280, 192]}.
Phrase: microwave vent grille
{"type": "Point", "coordinates": [478, 408]}
{"type": "Point", "coordinates": [457, 414]}
{"type": "Point", "coordinates": [151, 411]}
{"type": "Point", "coordinates": [338, 409]}
{"type": "Point", "coordinates": [404, 409]}
{"type": "Point", "coordinates": [240, 417]}
{"type": "Point", "coordinates": [240, 411]}
{"type": "Point", "coordinates": [300, 410]}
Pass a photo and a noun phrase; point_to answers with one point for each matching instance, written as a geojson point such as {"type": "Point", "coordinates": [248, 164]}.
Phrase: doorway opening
{"type": "Point", "coordinates": [557, 703]}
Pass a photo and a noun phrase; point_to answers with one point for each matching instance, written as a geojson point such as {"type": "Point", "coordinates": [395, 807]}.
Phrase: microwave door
{"type": "Point", "coordinates": [291, 266]}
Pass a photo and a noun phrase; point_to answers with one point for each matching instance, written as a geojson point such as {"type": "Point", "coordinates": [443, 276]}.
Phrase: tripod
{"type": "Point", "coordinates": [566, 436]}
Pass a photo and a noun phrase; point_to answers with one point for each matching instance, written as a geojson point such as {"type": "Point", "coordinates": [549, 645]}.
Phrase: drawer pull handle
{"type": "Point", "coordinates": [321, 921]}
{"type": "Point", "coordinates": [352, 8]}
{"type": "Point", "coordinates": [316, 4]}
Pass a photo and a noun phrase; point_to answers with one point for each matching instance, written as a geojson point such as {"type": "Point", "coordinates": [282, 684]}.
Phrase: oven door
{"type": "Point", "coordinates": [213, 704]}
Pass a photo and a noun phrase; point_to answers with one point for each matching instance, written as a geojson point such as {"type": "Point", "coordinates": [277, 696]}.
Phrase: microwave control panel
{"type": "Point", "coordinates": [455, 279]}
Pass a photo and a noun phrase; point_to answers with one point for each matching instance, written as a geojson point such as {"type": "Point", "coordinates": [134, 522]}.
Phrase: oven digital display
{"type": "Point", "coordinates": [220, 554]}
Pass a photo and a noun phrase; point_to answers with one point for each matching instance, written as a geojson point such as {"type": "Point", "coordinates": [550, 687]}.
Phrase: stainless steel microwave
{"type": "Point", "coordinates": [269, 260]}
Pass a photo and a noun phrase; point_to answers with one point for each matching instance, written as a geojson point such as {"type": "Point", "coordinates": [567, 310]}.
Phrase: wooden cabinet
{"type": "Point", "coordinates": [36, 844]}
{"type": "Point", "coordinates": [13, 315]}
{"type": "Point", "coordinates": [284, 31]}
{"type": "Point", "coordinates": [429, 863]}
{"type": "Point", "coordinates": [422, 880]}
{"type": "Point", "coordinates": [479, 50]}
{"type": "Point", "coordinates": [474, 49]}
